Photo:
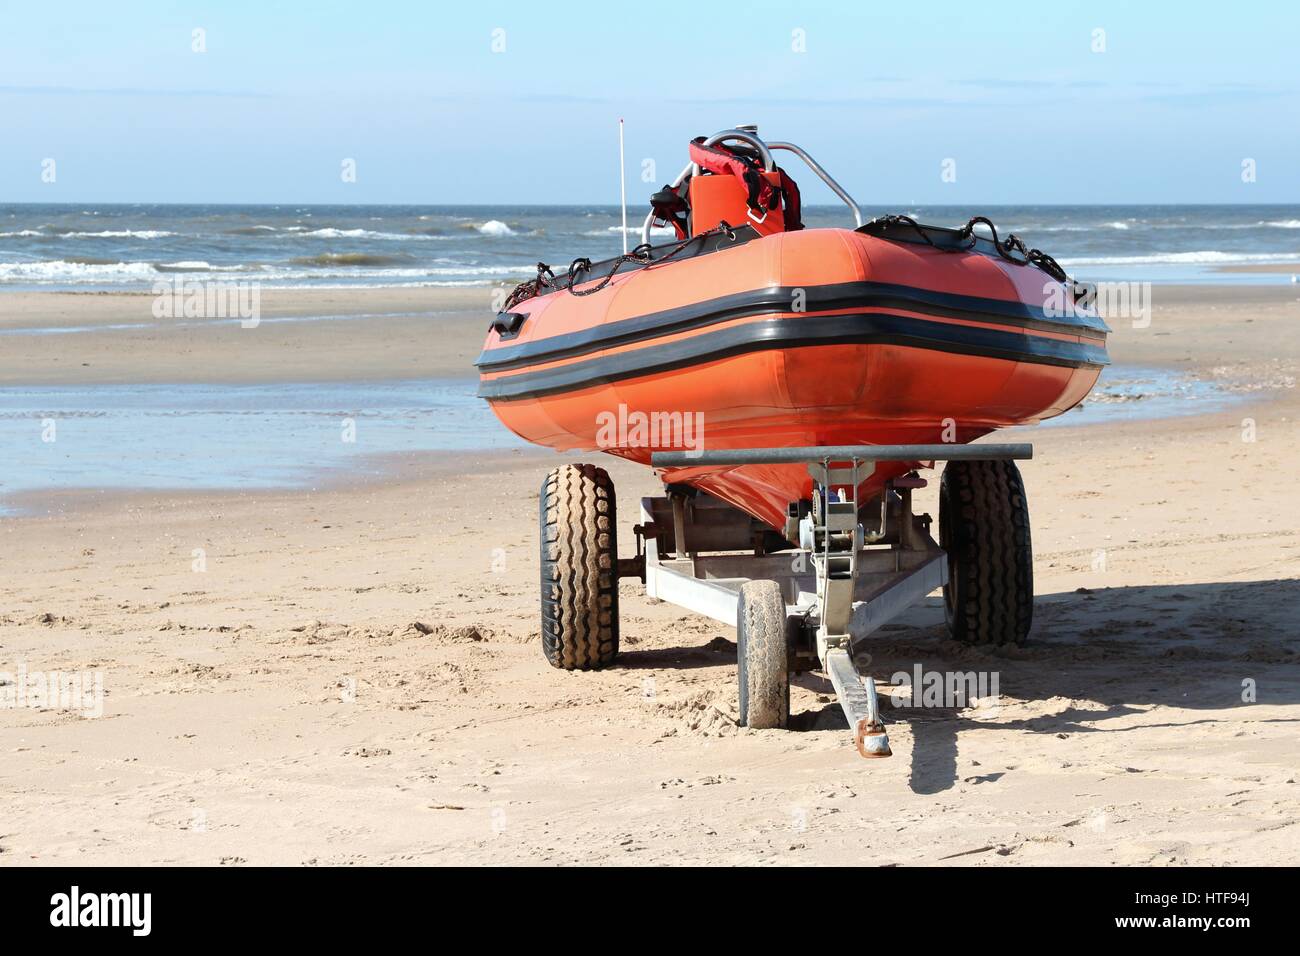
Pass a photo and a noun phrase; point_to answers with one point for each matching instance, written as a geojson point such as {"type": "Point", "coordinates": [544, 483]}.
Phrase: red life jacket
{"type": "Point", "coordinates": [722, 161]}
{"type": "Point", "coordinates": [762, 194]}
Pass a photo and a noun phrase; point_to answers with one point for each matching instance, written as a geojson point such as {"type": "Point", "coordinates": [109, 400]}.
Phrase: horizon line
{"type": "Point", "coordinates": [613, 205]}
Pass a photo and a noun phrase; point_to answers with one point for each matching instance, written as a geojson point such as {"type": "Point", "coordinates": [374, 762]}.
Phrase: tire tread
{"type": "Point", "coordinates": [984, 522]}
{"type": "Point", "coordinates": [763, 669]}
{"type": "Point", "coordinates": [579, 567]}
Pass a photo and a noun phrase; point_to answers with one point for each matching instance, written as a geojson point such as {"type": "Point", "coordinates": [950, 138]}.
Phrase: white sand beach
{"type": "Point", "coordinates": [354, 676]}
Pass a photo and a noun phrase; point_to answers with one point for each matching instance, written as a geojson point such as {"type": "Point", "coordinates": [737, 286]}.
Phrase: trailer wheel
{"type": "Point", "coordinates": [763, 656]}
{"type": "Point", "coordinates": [579, 568]}
{"type": "Point", "coordinates": [984, 527]}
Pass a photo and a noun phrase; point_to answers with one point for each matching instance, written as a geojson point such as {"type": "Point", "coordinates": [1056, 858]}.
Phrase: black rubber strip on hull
{"type": "Point", "coordinates": [864, 328]}
{"type": "Point", "coordinates": [844, 295]}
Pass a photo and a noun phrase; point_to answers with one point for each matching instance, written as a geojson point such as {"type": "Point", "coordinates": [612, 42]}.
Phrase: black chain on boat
{"type": "Point", "coordinates": [1014, 244]}
{"type": "Point", "coordinates": [1006, 248]}
{"type": "Point", "coordinates": [545, 279]}
{"type": "Point", "coordinates": [641, 254]}
{"type": "Point", "coordinates": [896, 218]}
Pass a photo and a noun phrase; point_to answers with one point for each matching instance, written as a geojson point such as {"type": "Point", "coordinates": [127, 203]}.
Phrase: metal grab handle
{"type": "Point", "coordinates": [765, 153]}
{"type": "Point", "coordinates": [825, 177]}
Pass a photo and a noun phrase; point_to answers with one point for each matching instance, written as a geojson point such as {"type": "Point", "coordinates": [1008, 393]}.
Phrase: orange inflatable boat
{"type": "Point", "coordinates": [751, 331]}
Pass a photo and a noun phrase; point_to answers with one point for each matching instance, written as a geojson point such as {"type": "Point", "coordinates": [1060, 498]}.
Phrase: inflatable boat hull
{"type": "Point", "coordinates": [817, 337]}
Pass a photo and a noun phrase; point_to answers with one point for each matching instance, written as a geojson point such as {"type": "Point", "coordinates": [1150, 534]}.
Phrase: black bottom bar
{"type": "Point", "coordinates": [935, 907]}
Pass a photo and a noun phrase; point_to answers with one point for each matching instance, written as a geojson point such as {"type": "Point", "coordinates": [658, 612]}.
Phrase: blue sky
{"type": "Point", "coordinates": [882, 95]}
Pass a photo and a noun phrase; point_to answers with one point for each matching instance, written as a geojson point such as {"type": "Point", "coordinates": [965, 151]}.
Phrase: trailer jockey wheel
{"type": "Point", "coordinates": [763, 656]}
{"type": "Point", "coordinates": [579, 568]}
{"type": "Point", "coordinates": [984, 527]}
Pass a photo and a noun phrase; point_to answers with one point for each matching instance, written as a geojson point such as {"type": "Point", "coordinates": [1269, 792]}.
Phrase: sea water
{"type": "Point", "coordinates": [197, 436]}
{"type": "Point", "coordinates": [77, 246]}
{"type": "Point", "coordinates": [1129, 393]}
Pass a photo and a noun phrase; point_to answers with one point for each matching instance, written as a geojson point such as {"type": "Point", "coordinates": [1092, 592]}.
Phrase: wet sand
{"type": "Point", "coordinates": [367, 334]}
{"type": "Point", "coordinates": [385, 334]}
{"type": "Point", "coordinates": [354, 675]}
{"type": "Point", "coordinates": [1264, 268]}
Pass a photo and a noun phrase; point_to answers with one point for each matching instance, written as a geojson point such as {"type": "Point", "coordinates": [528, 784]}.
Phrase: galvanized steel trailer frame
{"type": "Point", "coordinates": [841, 584]}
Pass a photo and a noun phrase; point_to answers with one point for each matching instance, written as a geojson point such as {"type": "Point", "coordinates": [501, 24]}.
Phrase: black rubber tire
{"type": "Point", "coordinates": [984, 527]}
{"type": "Point", "coordinates": [764, 656]}
{"type": "Point", "coordinates": [579, 584]}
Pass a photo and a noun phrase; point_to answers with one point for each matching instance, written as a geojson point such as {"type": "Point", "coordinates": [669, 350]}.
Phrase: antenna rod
{"type": "Point", "coordinates": [622, 182]}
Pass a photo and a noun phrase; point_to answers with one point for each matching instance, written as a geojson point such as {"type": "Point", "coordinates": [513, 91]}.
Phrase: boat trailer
{"type": "Point", "coordinates": [804, 608]}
